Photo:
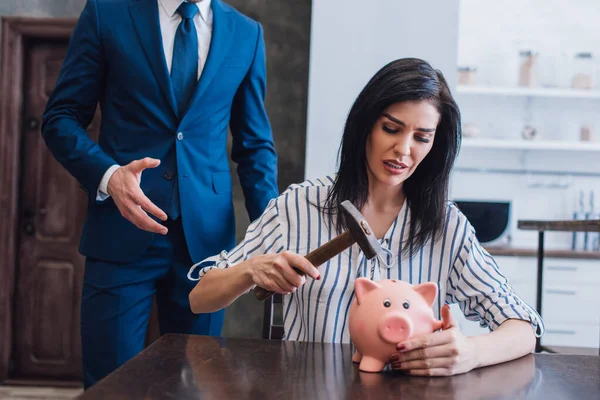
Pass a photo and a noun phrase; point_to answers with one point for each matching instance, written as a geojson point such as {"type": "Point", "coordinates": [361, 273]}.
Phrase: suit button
{"type": "Point", "coordinates": [168, 176]}
{"type": "Point", "coordinates": [180, 136]}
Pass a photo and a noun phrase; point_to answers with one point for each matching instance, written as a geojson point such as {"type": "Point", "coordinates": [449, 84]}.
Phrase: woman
{"type": "Point", "coordinates": [399, 144]}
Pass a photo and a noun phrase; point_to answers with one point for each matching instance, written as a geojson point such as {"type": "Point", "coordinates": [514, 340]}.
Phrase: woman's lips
{"type": "Point", "coordinates": [394, 167]}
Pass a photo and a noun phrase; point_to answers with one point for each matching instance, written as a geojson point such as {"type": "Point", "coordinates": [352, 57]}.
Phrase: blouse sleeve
{"type": "Point", "coordinates": [482, 292]}
{"type": "Point", "coordinates": [263, 236]}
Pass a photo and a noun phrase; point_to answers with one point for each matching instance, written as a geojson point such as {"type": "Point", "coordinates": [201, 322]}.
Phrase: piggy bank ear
{"type": "Point", "coordinates": [428, 290]}
{"type": "Point", "coordinates": [362, 286]}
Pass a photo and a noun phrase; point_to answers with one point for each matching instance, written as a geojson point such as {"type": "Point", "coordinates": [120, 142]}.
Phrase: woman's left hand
{"type": "Point", "coordinates": [443, 353]}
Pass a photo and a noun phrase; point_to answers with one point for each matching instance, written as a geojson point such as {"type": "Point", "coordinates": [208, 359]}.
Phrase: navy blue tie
{"type": "Point", "coordinates": [184, 76]}
{"type": "Point", "coordinates": [184, 67]}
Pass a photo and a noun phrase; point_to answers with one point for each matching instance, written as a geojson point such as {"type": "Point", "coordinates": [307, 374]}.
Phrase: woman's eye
{"type": "Point", "coordinates": [406, 304]}
{"type": "Point", "coordinates": [387, 303]}
{"type": "Point", "coordinates": [422, 139]}
{"type": "Point", "coordinates": [389, 130]}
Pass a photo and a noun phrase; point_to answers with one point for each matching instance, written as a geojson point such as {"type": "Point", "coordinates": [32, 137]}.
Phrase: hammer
{"type": "Point", "coordinates": [358, 231]}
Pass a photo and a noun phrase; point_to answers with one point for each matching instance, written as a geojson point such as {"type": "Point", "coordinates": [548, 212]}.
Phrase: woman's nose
{"type": "Point", "coordinates": [402, 147]}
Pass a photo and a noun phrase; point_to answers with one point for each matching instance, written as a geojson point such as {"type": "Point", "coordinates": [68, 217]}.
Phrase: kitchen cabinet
{"type": "Point", "coordinates": [570, 302]}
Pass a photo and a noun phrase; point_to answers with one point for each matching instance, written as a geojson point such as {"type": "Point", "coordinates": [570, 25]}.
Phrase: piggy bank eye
{"type": "Point", "coordinates": [387, 303]}
{"type": "Point", "coordinates": [406, 304]}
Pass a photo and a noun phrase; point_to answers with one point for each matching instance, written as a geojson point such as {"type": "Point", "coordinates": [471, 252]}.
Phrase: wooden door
{"type": "Point", "coordinates": [49, 270]}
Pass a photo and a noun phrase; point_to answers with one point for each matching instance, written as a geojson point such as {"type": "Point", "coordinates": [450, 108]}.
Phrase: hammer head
{"type": "Point", "coordinates": [360, 230]}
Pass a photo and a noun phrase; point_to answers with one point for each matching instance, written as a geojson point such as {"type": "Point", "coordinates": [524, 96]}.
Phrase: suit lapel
{"type": "Point", "coordinates": [222, 35]}
{"type": "Point", "coordinates": [144, 14]}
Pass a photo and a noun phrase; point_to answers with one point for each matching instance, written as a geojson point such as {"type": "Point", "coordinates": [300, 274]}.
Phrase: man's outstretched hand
{"type": "Point", "coordinates": [124, 188]}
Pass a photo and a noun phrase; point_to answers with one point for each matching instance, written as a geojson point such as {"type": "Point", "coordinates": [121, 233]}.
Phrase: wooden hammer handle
{"type": "Point", "coordinates": [316, 257]}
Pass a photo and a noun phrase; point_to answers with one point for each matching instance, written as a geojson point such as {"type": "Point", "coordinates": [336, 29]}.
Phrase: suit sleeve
{"type": "Point", "coordinates": [252, 146]}
{"type": "Point", "coordinates": [73, 102]}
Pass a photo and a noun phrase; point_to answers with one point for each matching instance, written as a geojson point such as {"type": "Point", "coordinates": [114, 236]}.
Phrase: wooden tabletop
{"type": "Point", "coordinates": [592, 225]}
{"type": "Point", "coordinates": [523, 252]}
{"type": "Point", "coordinates": [200, 367]}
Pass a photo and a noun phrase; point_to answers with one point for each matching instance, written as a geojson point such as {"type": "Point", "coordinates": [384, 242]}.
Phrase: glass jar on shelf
{"type": "Point", "coordinates": [583, 71]}
{"type": "Point", "coordinates": [466, 75]}
{"type": "Point", "coordinates": [527, 68]}
{"type": "Point", "coordinates": [586, 133]}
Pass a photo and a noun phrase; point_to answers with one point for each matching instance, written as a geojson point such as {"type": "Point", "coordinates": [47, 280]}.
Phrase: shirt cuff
{"type": "Point", "coordinates": [102, 193]}
{"type": "Point", "coordinates": [221, 260]}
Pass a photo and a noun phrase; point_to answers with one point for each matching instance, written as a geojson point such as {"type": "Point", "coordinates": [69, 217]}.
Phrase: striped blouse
{"type": "Point", "coordinates": [318, 311]}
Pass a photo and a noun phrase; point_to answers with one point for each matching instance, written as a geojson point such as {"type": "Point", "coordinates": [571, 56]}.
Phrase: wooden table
{"type": "Point", "coordinates": [201, 367]}
{"type": "Point", "coordinates": [560, 226]}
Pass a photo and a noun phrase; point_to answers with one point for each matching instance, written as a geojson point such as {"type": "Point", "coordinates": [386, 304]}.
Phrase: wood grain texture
{"type": "Point", "coordinates": [17, 32]}
{"type": "Point", "coordinates": [182, 367]}
{"type": "Point", "coordinates": [564, 226]}
{"type": "Point", "coordinates": [522, 252]}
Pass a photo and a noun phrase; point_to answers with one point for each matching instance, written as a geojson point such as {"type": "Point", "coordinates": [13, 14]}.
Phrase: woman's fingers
{"type": "Point", "coordinates": [297, 261]}
{"type": "Point", "coordinates": [427, 363]}
{"type": "Point", "coordinates": [283, 285]}
{"type": "Point", "coordinates": [283, 273]}
{"type": "Point", "coordinates": [424, 353]}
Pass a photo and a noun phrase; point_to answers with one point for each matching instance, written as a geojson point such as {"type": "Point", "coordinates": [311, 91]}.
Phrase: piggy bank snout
{"type": "Point", "coordinates": [395, 328]}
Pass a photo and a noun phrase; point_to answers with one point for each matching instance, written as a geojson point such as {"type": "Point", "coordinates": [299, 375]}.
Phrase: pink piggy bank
{"type": "Point", "coordinates": [385, 313]}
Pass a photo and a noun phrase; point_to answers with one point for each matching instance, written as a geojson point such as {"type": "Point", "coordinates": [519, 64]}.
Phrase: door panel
{"type": "Point", "coordinates": [52, 212]}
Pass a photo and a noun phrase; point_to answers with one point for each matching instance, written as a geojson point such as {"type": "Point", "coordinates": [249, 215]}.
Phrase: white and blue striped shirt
{"type": "Point", "coordinates": [464, 272]}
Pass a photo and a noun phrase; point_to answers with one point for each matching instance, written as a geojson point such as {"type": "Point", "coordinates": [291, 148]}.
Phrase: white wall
{"type": "Point", "coordinates": [350, 41]}
{"type": "Point", "coordinates": [491, 34]}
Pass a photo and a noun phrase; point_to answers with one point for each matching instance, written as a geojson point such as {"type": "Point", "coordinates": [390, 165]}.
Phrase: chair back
{"type": "Point", "coordinates": [271, 330]}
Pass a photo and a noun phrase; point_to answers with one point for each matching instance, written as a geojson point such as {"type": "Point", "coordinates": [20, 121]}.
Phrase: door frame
{"type": "Point", "coordinates": [16, 32]}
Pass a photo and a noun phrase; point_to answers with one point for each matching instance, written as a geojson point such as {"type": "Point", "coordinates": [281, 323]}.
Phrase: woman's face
{"type": "Point", "coordinates": [401, 138]}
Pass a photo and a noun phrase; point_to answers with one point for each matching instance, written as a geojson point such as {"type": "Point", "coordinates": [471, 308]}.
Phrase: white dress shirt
{"type": "Point", "coordinates": [169, 22]}
{"type": "Point", "coordinates": [463, 270]}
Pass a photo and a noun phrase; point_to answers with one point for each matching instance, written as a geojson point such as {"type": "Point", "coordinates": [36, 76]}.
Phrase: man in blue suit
{"type": "Point", "coordinates": [171, 77]}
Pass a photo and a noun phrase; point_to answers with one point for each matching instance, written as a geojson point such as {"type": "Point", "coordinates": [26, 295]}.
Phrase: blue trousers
{"type": "Point", "coordinates": [117, 299]}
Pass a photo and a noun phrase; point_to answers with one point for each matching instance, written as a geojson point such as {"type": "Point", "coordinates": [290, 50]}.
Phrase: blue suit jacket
{"type": "Point", "coordinates": [115, 58]}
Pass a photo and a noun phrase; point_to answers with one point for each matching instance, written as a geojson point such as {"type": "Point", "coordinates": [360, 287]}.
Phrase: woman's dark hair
{"type": "Point", "coordinates": [426, 191]}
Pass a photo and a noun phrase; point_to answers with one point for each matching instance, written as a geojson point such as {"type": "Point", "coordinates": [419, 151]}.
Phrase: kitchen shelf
{"type": "Point", "coordinates": [530, 145]}
{"type": "Point", "coordinates": [529, 92]}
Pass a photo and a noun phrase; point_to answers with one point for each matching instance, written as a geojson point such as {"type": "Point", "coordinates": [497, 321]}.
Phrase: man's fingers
{"type": "Point", "coordinates": [143, 221]}
{"type": "Point", "coordinates": [149, 206]}
{"type": "Point", "coordinates": [146, 162]}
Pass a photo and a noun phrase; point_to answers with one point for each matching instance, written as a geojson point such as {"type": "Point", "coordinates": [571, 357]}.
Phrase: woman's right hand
{"type": "Point", "coordinates": [275, 272]}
